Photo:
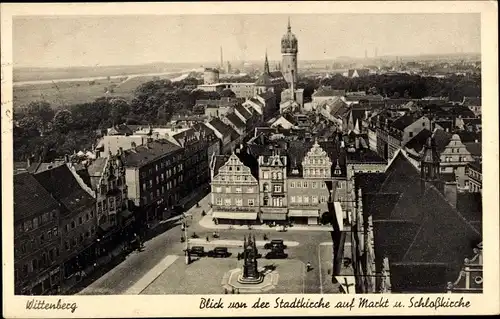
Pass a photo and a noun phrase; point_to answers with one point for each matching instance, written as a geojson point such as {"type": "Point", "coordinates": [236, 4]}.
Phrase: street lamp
{"type": "Point", "coordinates": [186, 248]}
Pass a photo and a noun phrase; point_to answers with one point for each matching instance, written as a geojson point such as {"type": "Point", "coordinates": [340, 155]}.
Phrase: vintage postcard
{"type": "Point", "coordinates": [250, 158]}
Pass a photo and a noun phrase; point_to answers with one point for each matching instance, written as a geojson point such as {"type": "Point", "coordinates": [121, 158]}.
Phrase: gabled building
{"type": "Point", "coordinates": [454, 159]}
{"type": "Point", "coordinates": [227, 136]}
{"type": "Point", "coordinates": [154, 174]}
{"type": "Point", "coordinates": [400, 225]}
{"type": "Point", "coordinates": [77, 221]}
{"type": "Point", "coordinates": [235, 191]}
{"type": "Point", "coordinates": [37, 238]}
{"type": "Point", "coordinates": [236, 123]}
{"type": "Point", "coordinates": [273, 187]}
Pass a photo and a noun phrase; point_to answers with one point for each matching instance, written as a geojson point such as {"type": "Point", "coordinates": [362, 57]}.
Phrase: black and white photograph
{"type": "Point", "coordinates": [307, 154]}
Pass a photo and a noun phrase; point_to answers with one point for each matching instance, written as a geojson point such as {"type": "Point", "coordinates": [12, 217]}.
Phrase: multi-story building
{"type": "Point", "coordinates": [77, 222]}
{"type": "Point", "coordinates": [273, 187]}
{"type": "Point", "coordinates": [107, 179]}
{"type": "Point", "coordinates": [474, 173]}
{"type": "Point", "coordinates": [454, 159]}
{"type": "Point", "coordinates": [154, 178]}
{"type": "Point", "coordinates": [227, 136]}
{"type": "Point", "coordinates": [235, 191]}
{"type": "Point", "coordinates": [312, 180]}
{"type": "Point", "coordinates": [37, 238]}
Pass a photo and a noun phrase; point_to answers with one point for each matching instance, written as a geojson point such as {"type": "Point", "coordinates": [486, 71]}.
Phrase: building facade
{"type": "Point", "coordinates": [273, 188]}
{"type": "Point", "coordinates": [454, 159]}
{"type": "Point", "coordinates": [37, 238]}
{"type": "Point", "coordinates": [154, 175]}
{"type": "Point", "coordinates": [235, 191]}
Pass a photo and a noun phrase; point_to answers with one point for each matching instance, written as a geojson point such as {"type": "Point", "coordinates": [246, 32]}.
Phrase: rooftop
{"type": "Point", "coordinates": [145, 154]}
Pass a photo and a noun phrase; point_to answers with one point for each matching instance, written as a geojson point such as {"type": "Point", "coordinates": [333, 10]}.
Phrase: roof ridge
{"type": "Point", "coordinates": [413, 241]}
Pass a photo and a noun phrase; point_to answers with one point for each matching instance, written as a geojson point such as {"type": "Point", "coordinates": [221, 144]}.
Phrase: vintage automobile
{"type": "Point", "coordinates": [276, 254]}
{"type": "Point", "coordinates": [197, 251]}
{"type": "Point", "coordinates": [275, 243]}
{"type": "Point", "coordinates": [217, 252]}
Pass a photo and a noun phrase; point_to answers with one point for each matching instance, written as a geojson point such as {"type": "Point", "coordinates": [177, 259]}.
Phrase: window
{"type": "Point", "coordinates": [277, 188]}
{"type": "Point", "coordinates": [299, 199]}
{"type": "Point", "coordinates": [292, 185]}
{"type": "Point", "coordinates": [314, 184]}
{"type": "Point", "coordinates": [305, 185]}
{"type": "Point", "coordinates": [339, 185]}
{"type": "Point", "coordinates": [266, 201]}
{"type": "Point", "coordinates": [73, 224]}
{"type": "Point", "coordinates": [66, 245]}
{"type": "Point", "coordinates": [251, 202]}
{"type": "Point", "coordinates": [299, 184]}
{"type": "Point", "coordinates": [266, 175]}
{"type": "Point", "coordinates": [91, 214]}
{"type": "Point", "coordinates": [314, 199]}
{"type": "Point", "coordinates": [218, 201]}
{"type": "Point", "coordinates": [323, 199]}
{"type": "Point", "coordinates": [292, 199]}
{"type": "Point", "coordinates": [250, 190]}
{"type": "Point", "coordinates": [266, 187]}
{"type": "Point", "coordinates": [218, 189]}
{"type": "Point", "coordinates": [239, 202]}
{"type": "Point", "coordinates": [227, 201]}
{"type": "Point", "coordinates": [238, 190]}
{"type": "Point", "coordinates": [35, 222]}
{"type": "Point", "coordinates": [80, 220]}
{"type": "Point", "coordinates": [228, 189]}
{"type": "Point", "coordinates": [144, 186]}
{"type": "Point", "coordinates": [323, 185]}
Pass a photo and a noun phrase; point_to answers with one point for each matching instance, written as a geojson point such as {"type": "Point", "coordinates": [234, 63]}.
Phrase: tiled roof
{"type": "Point", "coordinates": [121, 129]}
{"type": "Point", "coordinates": [276, 74]}
{"type": "Point", "coordinates": [327, 91]}
{"type": "Point", "coordinates": [418, 141]}
{"type": "Point", "coordinates": [267, 95]}
{"type": "Point", "coordinates": [144, 154]}
{"type": "Point", "coordinates": [96, 170]}
{"type": "Point", "coordinates": [442, 139]}
{"type": "Point", "coordinates": [422, 228]}
{"type": "Point", "coordinates": [368, 182]}
{"type": "Point", "coordinates": [243, 112]}
{"type": "Point", "coordinates": [62, 184]}
{"type": "Point", "coordinates": [233, 118]}
{"type": "Point", "coordinates": [368, 97]}
{"type": "Point", "coordinates": [470, 205]}
{"type": "Point", "coordinates": [221, 127]}
{"type": "Point", "coordinates": [420, 277]}
{"type": "Point", "coordinates": [364, 155]}
{"type": "Point", "coordinates": [474, 148]}
{"type": "Point", "coordinates": [402, 122]}
{"type": "Point", "coordinates": [220, 160]}
{"type": "Point", "coordinates": [30, 197]}
{"type": "Point", "coordinates": [471, 101]}
{"type": "Point", "coordinates": [476, 165]}
{"type": "Point", "coordinates": [468, 137]}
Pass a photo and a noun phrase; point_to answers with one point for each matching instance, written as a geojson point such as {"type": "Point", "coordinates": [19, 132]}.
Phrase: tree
{"type": "Point", "coordinates": [119, 110]}
{"type": "Point", "coordinates": [227, 93]}
{"type": "Point", "coordinates": [62, 121]}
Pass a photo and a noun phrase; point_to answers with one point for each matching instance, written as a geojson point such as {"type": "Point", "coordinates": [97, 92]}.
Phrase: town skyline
{"type": "Point", "coordinates": [121, 40]}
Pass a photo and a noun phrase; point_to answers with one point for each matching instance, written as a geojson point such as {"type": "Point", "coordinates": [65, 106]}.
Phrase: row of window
{"type": "Point", "coordinates": [114, 202]}
{"type": "Point", "coordinates": [78, 221]}
{"type": "Point", "coordinates": [228, 189]}
{"type": "Point", "coordinates": [474, 174]}
{"type": "Point", "coordinates": [451, 159]}
{"type": "Point", "coordinates": [68, 244]}
{"type": "Point", "coordinates": [39, 241]}
{"type": "Point", "coordinates": [235, 178]}
{"type": "Point", "coordinates": [163, 165]}
{"type": "Point", "coordinates": [305, 199]}
{"type": "Point", "coordinates": [111, 185]}
{"type": "Point", "coordinates": [170, 184]}
{"type": "Point", "coordinates": [274, 175]}
{"type": "Point", "coordinates": [316, 161]}
{"type": "Point", "coordinates": [36, 264]}
{"type": "Point", "coordinates": [276, 188]}
{"type": "Point", "coordinates": [305, 184]}
{"type": "Point", "coordinates": [237, 202]}
{"type": "Point", "coordinates": [317, 172]}
{"type": "Point", "coordinates": [37, 222]}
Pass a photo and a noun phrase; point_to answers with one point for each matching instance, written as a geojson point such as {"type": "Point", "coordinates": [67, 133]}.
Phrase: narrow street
{"type": "Point", "coordinates": [136, 265]}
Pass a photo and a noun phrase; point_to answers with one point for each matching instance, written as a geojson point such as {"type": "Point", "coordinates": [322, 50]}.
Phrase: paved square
{"type": "Point", "coordinates": [204, 276]}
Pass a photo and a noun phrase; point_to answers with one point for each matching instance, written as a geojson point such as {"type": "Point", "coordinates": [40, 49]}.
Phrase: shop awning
{"type": "Point", "coordinates": [273, 216]}
{"type": "Point", "coordinates": [235, 215]}
{"type": "Point", "coordinates": [303, 213]}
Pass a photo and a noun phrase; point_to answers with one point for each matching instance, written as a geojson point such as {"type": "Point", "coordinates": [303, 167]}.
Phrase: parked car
{"type": "Point", "coordinates": [197, 251]}
{"type": "Point", "coordinates": [275, 243]}
{"type": "Point", "coordinates": [219, 252]}
{"type": "Point", "coordinates": [276, 254]}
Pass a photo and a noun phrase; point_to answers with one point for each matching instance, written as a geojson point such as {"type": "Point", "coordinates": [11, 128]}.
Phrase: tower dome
{"type": "Point", "coordinates": [289, 42]}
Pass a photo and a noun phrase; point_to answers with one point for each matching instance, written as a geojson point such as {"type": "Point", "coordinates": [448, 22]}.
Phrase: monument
{"type": "Point", "coordinates": [250, 273]}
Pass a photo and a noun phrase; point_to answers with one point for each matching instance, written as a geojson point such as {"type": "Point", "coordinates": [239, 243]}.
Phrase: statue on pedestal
{"type": "Point", "coordinates": [250, 270]}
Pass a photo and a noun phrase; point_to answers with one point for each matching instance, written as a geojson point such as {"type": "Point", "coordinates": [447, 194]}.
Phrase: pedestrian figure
{"type": "Point", "coordinates": [308, 266]}
{"type": "Point", "coordinates": [208, 239]}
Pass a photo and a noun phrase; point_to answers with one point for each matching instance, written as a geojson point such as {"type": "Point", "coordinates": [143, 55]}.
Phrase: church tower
{"type": "Point", "coordinates": [289, 50]}
{"type": "Point", "coordinates": [266, 65]}
{"type": "Point", "coordinates": [429, 166]}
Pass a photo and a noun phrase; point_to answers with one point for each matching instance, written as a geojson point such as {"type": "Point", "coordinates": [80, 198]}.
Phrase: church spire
{"type": "Point", "coordinates": [289, 28]}
{"type": "Point", "coordinates": [266, 65]}
{"type": "Point", "coordinates": [429, 165]}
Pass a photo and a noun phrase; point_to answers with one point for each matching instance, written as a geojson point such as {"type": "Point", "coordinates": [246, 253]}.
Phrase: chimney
{"type": "Point", "coordinates": [450, 192]}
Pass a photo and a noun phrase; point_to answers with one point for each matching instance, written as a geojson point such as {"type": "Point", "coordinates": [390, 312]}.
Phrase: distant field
{"type": "Point", "coordinates": [75, 92]}
{"type": "Point", "coordinates": [66, 93]}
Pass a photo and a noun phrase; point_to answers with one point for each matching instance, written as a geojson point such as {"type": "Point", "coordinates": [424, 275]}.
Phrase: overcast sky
{"type": "Point", "coordinates": [114, 40]}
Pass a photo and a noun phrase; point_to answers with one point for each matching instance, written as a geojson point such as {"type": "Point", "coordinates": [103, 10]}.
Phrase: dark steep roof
{"type": "Point", "coordinates": [145, 154]}
{"type": "Point", "coordinates": [62, 184]}
{"type": "Point", "coordinates": [243, 112]}
{"type": "Point", "coordinates": [30, 197]}
{"type": "Point", "coordinates": [221, 127]}
{"type": "Point", "coordinates": [233, 118]}
{"type": "Point", "coordinates": [403, 122]}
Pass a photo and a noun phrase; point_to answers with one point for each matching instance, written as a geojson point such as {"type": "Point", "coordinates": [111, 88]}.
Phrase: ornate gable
{"type": "Point", "coordinates": [234, 172]}
{"type": "Point", "coordinates": [317, 163]}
